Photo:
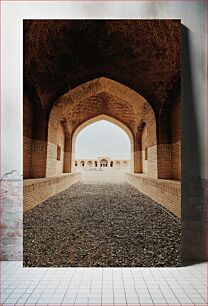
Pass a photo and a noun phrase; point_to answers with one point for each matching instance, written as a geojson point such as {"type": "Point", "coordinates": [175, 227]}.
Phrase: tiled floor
{"type": "Point", "coordinates": [103, 286]}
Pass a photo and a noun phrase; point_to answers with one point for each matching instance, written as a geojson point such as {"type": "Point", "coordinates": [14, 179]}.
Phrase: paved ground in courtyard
{"type": "Point", "coordinates": [101, 225]}
{"type": "Point", "coordinates": [108, 175]}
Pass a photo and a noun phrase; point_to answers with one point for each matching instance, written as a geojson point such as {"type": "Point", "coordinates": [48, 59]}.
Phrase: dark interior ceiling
{"type": "Point", "coordinates": [141, 54]}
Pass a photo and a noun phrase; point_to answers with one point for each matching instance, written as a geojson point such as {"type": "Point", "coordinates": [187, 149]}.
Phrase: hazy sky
{"type": "Point", "coordinates": [102, 138]}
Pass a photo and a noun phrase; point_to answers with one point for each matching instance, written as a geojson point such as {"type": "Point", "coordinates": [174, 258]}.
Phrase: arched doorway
{"type": "Point", "coordinates": [89, 164]}
{"type": "Point", "coordinates": [105, 163]}
{"type": "Point", "coordinates": [117, 164]}
{"type": "Point", "coordinates": [112, 100]}
{"type": "Point", "coordinates": [125, 164]}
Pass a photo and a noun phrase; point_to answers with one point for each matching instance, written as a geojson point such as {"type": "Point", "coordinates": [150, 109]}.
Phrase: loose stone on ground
{"type": "Point", "coordinates": [101, 225]}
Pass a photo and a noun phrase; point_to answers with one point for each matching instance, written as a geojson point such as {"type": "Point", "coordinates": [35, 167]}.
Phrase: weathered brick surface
{"type": "Point", "coordinates": [165, 192]}
{"type": "Point", "coordinates": [103, 96]}
{"type": "Point", "coordinates": [11, 219]}
{"type": "Point", "coordinates": [38, 190]}
{"type": "Point", "coordinates": [169, 140]}
{"type": "Point", "coordinates": [38, 159]}
{"type": "Point", "coordinates": [27, 156]}
{"type": "Point", "coordinates": [176, 160]}
{"type": "Point", "coordinates": [164, 161]}
{"type": "Point", "coordinates": [145, 54]}
{"type": "Point", "coordinates": [54, 166]}
{"type": "Point", "coordinates": [155, 72]}
{"type": "Point", "coordinates": [144, 146]}
{"type": "Point", "coordinates": [27, 140]}
{"type": "Point", "coordinates": [95, 98]}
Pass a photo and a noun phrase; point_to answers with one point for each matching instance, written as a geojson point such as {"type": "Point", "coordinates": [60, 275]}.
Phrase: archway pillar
{"type": "Point", "coordinates": [164, 146]}
{"type": "Point", "coordinates": [67, 154]}
{"type": "Point", "coordinates": [67, 126]}
{"type": "Point", "coordinates": [138, 151]}
{"type": "Point", "coordinates": [39, 145]}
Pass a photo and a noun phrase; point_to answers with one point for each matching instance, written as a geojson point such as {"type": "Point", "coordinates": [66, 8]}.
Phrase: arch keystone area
{"type": "Point", "coordinates": [93, 88]}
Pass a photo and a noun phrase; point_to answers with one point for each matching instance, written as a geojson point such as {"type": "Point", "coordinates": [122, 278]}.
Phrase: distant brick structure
{"type": "Point", "coordinates": [101, 163]}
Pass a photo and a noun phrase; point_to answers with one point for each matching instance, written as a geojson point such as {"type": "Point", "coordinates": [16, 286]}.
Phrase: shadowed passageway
{"type": "Point", "coordinates": [73, 78]}
{"type": "Point", "coordinates": [101, 225]}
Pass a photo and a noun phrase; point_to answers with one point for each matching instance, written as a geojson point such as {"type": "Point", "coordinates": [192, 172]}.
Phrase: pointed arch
{"type": "Point", "coordinates": [94, 87]}
{"type": "Point", "coordinates": [89, 102]}
{"type": "Point", "coordinates": [111, 120]}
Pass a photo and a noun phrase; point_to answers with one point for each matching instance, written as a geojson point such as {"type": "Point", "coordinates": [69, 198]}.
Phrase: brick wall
{"type": "Point", "coordinates": [34, 140]}
{"type": "Point", "coordinates": [169, 140]}
{"type": "Point", "coordinates": [39, 152]}
{"type": "Point", "coordinates": [151, 142]}
{"type": "Point", "coordinates": [27, 139]}
{"type": "Point", "coordinates": [143, 147]}
{"type": "Point", "coordinates": [27, 156]}
{"type": "Point", "coordinates": [165, 192]}
{"type": "Point", "coordinates": [164, 161]}
{"type": "Point", "coordinates": [36, 191]}
{"type": "Point", "coordinates": [56, 138]}
{"type": "Point", "coordinates": [146, 138]}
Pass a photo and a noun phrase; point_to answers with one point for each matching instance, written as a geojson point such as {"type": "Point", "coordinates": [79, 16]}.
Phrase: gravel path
{"type": "Point", "coordinates": [101, 225]}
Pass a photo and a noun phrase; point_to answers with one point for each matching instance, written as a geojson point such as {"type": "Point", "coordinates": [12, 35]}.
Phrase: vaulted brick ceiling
{"type": "Point", "coordinates": [141, 54]}
{"type": "Point", "coordinates": [103, 104]}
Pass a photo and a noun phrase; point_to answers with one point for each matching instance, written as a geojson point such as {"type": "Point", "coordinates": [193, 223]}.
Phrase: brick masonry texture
{"type": "Point", "coordinates": [37, 191]}
{"type": "Point", "coordinates": [54, 166]}
{"type": "Point", "coordinates": [165, 192]}
{"type": "Point", "coordinates": [157, 63]}
{"type": "Point", "coordinates": [75, 107]}
{"type": "Point", "coordinates": [143, 54]}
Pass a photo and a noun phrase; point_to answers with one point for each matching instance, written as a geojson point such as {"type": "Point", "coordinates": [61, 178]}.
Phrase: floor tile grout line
{"type": "Point", "coordinates": [135, 287]}
{"type": "Point", "coordinates": [119, 274]}
{"type": "Point", "coordinates": [123, 284]}
{"type": "Point", "coordinates": [147, 288]}
{"type": "Point", "coordinates": [184, 291]}
{"type": "Point", "coordinates": [171, 290]}
{"type": "Point", "coordinates": [69, 285]}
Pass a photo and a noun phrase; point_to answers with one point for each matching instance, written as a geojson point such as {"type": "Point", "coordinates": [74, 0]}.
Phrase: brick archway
{"type": "Point", "coordinates": [107, 118]}
{"type": "Point", "coordinates": [95, 98]}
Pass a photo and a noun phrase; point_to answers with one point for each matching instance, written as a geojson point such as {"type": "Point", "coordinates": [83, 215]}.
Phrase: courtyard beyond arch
{"type": "Point", "coordinates": [108, 162]}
